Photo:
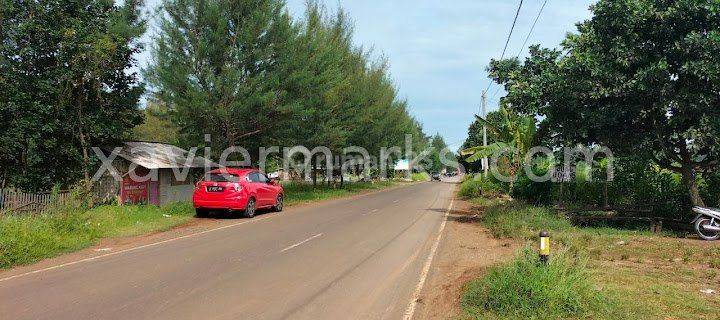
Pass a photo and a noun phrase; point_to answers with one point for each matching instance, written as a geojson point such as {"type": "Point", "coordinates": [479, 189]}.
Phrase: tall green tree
{"type": "Point", "coordinates": [157, 125]}
{"type": "Point", "coordinates": [66, 85]}
{"type": "Point", "coordinates": [353, 101]}
{"type": "Point", "coordinates": [215, 64]}
{"type": "Point", "coordinates": [641, 76]}
{"type": "Point", "coordinates": [439, 152]}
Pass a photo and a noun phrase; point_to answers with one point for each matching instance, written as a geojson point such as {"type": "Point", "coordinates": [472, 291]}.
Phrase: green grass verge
{"type": "Point", "coordinates": [640, 275]}
{"type": "Point", "coordinates": [527, 289]}
{"type": "Point", "coordinates": [25, 239]}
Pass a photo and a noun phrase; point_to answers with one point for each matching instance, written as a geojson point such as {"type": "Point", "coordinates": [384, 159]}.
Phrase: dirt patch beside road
{"type": "Point", "coordinates": [465, 253]}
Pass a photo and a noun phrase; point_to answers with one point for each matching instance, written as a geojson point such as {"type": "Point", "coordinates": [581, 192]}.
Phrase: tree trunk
{"type": "Point", "coordinates": [690, 181]}
{"type": "Point", "coordinates": [689, 176]}
{"type": "Point", "coordinates": [85, 146]}
{"type": "Point", "coordinates": [606, 203]}
{"type": "Point", "coordinates": [83, 143]}
{"type": "Point", "coordinates": [313, 159]}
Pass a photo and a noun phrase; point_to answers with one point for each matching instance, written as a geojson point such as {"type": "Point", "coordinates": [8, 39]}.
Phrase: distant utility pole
{"type": "Point", "coordinates": [484, 116]}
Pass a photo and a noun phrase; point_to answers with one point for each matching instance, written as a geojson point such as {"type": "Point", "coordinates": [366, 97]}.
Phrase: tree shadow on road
{"type": "Point", "coordinates": [462, 216]}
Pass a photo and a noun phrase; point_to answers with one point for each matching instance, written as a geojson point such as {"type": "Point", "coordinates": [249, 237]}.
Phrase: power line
{"type": "Point", "coordinates": [532, 28]}
{"type": "Point", "coordinates": [527, 37]}
{"type": "Point", "coordinates": [512, 28]}
{"type": "Point", "coordinates": [517, 13]}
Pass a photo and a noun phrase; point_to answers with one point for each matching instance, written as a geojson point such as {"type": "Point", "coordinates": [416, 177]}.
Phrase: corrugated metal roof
{"type": "Point", "coordinates": [154, 155]}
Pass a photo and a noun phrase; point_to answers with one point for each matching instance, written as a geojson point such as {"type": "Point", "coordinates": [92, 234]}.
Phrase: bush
{"type": "Point", "coordinates": [301, 192]}
{"type": "Point", "coordinates": [470, 188]}
{"type": "Point", "coordinates": [518, 220]}
{"type": "Point", "coordinates": [476, 185]}
{"type": "Point", "coordinates": [538, 193]}
{"type": "Point", "coordinates": [420, 176]}
{"type": "Point", "coordinates": [638, 183]}
{"type": "Point", "coordinates": [526, 289]}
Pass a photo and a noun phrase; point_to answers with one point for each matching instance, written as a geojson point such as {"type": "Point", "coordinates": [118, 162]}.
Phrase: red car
{"type": "Point", "coordinates": [237, 190]}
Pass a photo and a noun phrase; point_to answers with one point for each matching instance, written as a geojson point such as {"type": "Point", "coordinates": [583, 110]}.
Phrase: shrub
{"type": "Point", "coordinates": [637, 183]}
{"type": "Point", "coordinates": [470, 188]}
{"type": "Point", "coordinates": [526, 289]}
{"type": "Point", "coordinates": [477, 185]}
{"type": "Point", "coordinates": [420, 176]}
{"type": "Point", "coordinates": [539, 193]}
{"type": "Point", "coordinates": [518, 220]}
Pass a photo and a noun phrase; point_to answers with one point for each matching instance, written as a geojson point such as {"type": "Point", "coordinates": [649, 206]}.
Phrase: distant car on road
{"type": "Point", "coordinates": [237, 190]}
{"type": "Point", "coordinates": [435, 177]}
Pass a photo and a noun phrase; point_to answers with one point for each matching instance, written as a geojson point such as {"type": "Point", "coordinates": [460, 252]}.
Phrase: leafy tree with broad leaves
{"type": "Point", "coordinates": [641, 76]}
{"type": "Point", "coordinates": [65, 85]}
{"type": "Point", "coordinates": [514, 136]}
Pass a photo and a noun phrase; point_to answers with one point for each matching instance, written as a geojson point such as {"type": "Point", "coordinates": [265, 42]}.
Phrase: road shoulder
{"type": "Point", "coordinates": [466, 251]}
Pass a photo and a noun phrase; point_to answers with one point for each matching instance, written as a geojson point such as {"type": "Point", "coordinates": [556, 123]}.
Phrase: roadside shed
{"type": "Point", "coordinates": [156, 173]}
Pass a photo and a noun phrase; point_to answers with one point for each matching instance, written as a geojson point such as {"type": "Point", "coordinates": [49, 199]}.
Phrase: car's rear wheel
{"type": "Point", "coordinates": [279, 203]}
{"type": "Point", "coordinates": [201, 213]}
{"type": "Point", "coordinates": [250, 209]}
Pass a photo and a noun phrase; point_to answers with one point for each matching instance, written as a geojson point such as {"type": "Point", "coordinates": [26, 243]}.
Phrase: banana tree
{"type": "Point", "coordinates": [515, 137]}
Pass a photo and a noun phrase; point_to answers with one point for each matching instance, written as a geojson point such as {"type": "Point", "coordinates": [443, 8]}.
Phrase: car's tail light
{"type": "Point", "coordinates": [197, 185]}
{"type": "Point", "coordinates": [237, 187]}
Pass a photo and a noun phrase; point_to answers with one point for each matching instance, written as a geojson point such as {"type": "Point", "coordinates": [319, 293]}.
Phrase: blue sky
{"type": "Point", "coordinates": [438, 50]}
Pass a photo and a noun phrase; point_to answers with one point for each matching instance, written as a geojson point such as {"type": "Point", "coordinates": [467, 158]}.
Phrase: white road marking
{"type": "Point", "coordinates": [396, 201]}
{"type": "Point", "coordinates": [301, 242]}
{"type": "Point", "coordinates": [410, 310]}
{"type": "Point", "coordinates": [371, 211]}
{"type": "Point", "coordinates": [131, 249]}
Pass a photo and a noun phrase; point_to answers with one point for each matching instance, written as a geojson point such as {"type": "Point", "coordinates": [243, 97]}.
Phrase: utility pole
{"type": "Point", "coordinates": [484, 116]}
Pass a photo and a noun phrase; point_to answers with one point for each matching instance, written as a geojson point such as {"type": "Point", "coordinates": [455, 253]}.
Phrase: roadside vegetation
{"type": "Point", "coordinates": [654, 106]}
{"type": "Point", "coordinates": [257, 76]}
{"type": "Point", "coordinates": [525, 289]}
{"type": "Point", "coordinates": [420, 176]}
{"type": "Point", "coordinates": [634, 273]}
{"type": "Point", "coordinates": [25, 239]}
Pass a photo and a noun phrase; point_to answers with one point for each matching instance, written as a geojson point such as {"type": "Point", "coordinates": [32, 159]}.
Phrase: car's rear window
{"type": "Point", "coordinates": [222, 177]}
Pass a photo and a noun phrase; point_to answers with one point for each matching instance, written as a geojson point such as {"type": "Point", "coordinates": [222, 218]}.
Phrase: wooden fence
{"type": "Point", "coordinates": [18, 202]}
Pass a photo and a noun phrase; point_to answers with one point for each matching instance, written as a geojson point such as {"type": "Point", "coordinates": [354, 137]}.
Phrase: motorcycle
{"type": "Point", "coordinates": [707, 223]}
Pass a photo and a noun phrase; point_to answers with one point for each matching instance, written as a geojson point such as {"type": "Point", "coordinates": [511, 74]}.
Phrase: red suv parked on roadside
{"type": "Point", "coordinates": [237, 190]}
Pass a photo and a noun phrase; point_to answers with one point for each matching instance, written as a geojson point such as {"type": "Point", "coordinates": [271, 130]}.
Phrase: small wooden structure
{"type": "Point", "coordinates": [156, 173]}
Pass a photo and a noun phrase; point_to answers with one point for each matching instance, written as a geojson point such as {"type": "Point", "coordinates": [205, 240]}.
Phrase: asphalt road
{"type": "Point", "coordinates": [357, 258]}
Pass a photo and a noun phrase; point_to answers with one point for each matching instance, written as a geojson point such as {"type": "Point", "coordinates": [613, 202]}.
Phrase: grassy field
{"type": "Point", "coordinates": [635, 274]}
{"type": "Point", "coordinates": [25, 239]}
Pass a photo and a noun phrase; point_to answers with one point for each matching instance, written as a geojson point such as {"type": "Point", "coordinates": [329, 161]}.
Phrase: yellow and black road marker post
{"type": "Point", "coordinates": [544, 247]}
